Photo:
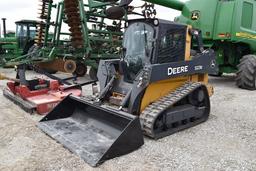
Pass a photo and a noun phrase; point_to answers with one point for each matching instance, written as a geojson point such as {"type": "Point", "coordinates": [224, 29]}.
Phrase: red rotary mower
{"type": "Point", "coordinates": [40, 95]}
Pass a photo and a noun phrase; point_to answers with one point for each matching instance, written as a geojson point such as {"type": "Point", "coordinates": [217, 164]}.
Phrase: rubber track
{"type": "Point", "coordinates": [152, 112]}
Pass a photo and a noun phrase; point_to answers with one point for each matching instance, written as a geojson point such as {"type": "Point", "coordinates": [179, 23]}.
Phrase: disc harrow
{"type": "Point", "coordinates": [74, 22]}
{"type": "Point", "coordinates": [43, 15]}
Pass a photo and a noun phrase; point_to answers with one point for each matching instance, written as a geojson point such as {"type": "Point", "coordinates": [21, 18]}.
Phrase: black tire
{"type": "Point", "coordinates": [81, 70]}
{"type": "Point", "coordinates": [246, 75]}
{"type": "Point", "coordinates": [93, 74]}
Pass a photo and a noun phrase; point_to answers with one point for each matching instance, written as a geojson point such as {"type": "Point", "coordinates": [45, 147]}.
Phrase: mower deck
{"type": "Point", "coordinates": [41, 104]}
{"type": "Point", "coordinates": [25, 105]}
{"type": "Point", "coordinates": [39, 95]}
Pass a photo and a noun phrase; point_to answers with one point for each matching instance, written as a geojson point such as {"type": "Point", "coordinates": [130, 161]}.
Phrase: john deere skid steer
{"type": "Point", "coordinates": [158, 87]}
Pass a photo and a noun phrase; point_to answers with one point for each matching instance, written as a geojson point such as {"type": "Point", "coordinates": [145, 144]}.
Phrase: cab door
{"type": "Point", "coordinates": [22, 35]}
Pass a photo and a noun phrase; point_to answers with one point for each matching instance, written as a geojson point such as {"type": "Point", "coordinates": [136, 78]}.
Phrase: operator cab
{"type": "Point", "coordinates": [151, 41]}
{"type": "Point", "coordinates": [26, 33]}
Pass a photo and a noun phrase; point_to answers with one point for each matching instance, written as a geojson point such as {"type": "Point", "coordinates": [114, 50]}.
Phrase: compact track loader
{"type": "Point", "coordinates": [158, 87]}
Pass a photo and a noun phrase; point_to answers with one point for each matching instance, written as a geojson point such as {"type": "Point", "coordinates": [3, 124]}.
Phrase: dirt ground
{"type": "Point", "coordinates": [225, 142]}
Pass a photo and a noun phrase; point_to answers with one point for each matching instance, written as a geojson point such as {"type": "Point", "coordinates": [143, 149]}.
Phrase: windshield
{"type": "Point", "coordinates": [138, 42]}
{"type": "Point", "coordinates": [32, 32]}
{"type": "Point", "coordinates": [21, 30]}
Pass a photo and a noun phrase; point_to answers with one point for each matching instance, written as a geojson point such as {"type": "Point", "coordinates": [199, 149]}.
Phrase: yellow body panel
{"type": "Point", "coordinates": [188, 45]}
{"type": "Point", "coordinates": [159, 89]}
{"type": "Point", "coordinates": [2, 77]}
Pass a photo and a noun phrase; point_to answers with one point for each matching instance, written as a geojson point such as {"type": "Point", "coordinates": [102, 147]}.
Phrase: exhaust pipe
{"type": "Point", "coordinates": [4, 27]}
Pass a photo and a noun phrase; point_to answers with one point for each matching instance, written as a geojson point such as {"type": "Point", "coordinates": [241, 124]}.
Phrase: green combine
{"type": "Point", "coordinates": [229, 28]}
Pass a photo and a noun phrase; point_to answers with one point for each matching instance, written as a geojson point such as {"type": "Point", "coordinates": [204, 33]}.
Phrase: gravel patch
{"type": "Point", "coordinates": [225, 142]}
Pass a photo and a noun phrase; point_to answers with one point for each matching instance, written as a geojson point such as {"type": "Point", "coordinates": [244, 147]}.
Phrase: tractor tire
{"type": "Point", "coordinates": [81, 69]}
{"type": "Point", "coordinates": [93, 74]}
{"type": "Point", "coordinates": [246, 75]}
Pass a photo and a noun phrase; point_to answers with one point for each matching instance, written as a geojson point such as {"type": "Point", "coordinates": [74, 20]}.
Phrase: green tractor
{"type": "Point", "coordinates": [15, 45]}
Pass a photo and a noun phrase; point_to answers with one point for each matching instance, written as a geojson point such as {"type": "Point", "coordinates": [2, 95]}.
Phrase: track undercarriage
{"type": "Point", "coordinates": [183, 108]}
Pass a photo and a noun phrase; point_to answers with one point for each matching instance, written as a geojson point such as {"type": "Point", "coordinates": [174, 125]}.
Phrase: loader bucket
{"type": "Point", "coordinates": [94, 133]}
